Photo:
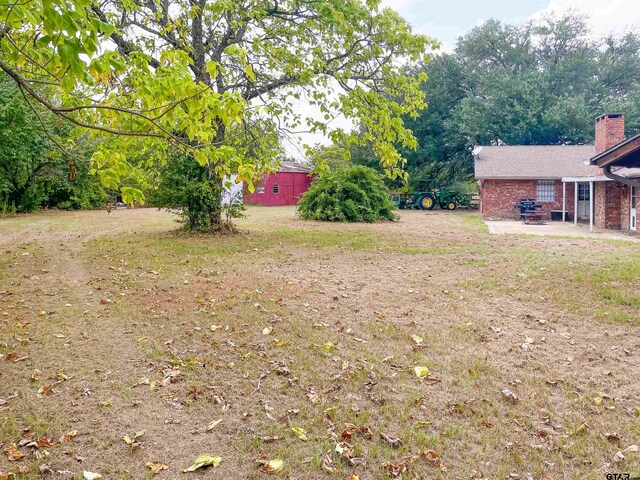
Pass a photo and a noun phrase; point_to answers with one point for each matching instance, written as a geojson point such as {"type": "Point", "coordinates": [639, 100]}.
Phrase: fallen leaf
{"type": "Point", "coordinates": [393, 441]}
{"type": "Point", "coordinates": [327, 463]}
{"type": "Point", "coordinates": [421, 371]}
{"type": "Point", "coordinates": [202, 461]}
{"type": "Point", "coordinates": [12, 452]}
{"type": "Point", "coordinates": [363, 429]}
{"type": "Point", "coordinates": [618, 457]}
{"type": "Point", "coordinates": [45, 390]}
{"type": "Point", "coordinates": [156, 467]}
{"type": "Point", "coordinates": [597, 400]}
{"type": "Point", "coordinates": [300, 433]}
{"type": "Point", "coordinates": [91, 475]}
{"type": "Point", "coordinates": [44, 442]}
{"type": "Point", "coordinates": [273, 466]}
{"type": "Point", "coordinates": [328, 346]}
{"type": "Point", "coordinates": [133, 442]}
{"type": "Point", "coordinates": [346, 451]}
{"type": "Point", "coordinates": [68, 436]}
{"type": "Point", "coordinates": [215, 328]}
{"type": "Point", "coordinates": [267, 330]}
{"type": "Point", "coordinates": [12, 357]}
{"type": "Point", "coordinates": [397, 469]}
{"type": "Point", "coordinates": [417, 339]}
{"type": "Point", "coordinates": [510, 396]}
{"type": "Point", "coordinates": [213, 425]}
{"type": "Point", "coordinates": [432, 457]}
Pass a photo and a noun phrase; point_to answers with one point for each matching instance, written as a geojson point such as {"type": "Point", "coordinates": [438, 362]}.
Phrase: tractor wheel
{"type": "Point", "coordinates": [450, 205]}
{"type": "Point", "coordinates": [426, 202]}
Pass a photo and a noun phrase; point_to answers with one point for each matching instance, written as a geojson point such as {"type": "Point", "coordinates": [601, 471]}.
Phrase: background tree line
{"type": "Point", "coordinates": [35, 154]}
{"type": "Point", "coordinates": [541, 82]}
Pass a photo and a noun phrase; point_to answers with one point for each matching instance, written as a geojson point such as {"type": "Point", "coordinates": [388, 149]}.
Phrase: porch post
{"type": "Point", "coordinates": [575, 203]}
{"type": "Point", "coordinates": [591, 206]}
{"type": "Point", "coordinates": [564, 200]}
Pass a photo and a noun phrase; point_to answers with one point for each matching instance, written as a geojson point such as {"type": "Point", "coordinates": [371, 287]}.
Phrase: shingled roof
{"type": "Point", "coordinates": [293, 167]}
{"type": "Point", "coordinates": [543, 162]}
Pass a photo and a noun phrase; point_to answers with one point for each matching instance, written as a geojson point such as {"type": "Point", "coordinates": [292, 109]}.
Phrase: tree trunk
{"type": "Point", "coordinates": [216, 223]}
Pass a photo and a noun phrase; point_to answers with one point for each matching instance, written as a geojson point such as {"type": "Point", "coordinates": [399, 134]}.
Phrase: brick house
{"type": "Point", "coordinates": [597, 183]}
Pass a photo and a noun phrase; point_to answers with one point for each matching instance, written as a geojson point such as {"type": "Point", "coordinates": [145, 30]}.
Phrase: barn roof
{"type": "Point", "coordinates": [294, 167]}
{"type": "Point", "coordinates": [546, 162]}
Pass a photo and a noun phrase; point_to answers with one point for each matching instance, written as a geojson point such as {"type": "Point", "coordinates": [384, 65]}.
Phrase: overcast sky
{"type": "Point", "coordinates": [447, 20]}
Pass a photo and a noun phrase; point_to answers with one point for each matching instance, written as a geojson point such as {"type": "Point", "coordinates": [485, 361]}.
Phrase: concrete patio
{"type": "Point", "coordinates": [556, 229]}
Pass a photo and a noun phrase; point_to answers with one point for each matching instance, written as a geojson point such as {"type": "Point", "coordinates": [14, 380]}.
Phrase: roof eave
{"type": "Point", "coordinates": [497, 177]}
{"type": "Point", "coordinates": [598, 159]}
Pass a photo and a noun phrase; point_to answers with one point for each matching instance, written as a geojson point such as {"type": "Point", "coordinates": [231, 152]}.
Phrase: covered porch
{"type": "Point", "coordinates": [582, 190]}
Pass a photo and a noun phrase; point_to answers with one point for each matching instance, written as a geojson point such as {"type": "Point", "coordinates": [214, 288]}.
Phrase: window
{"type": "Point", "coordinates": [583, 192]}
{"type": "Point", "coordinates": [546, 191]}
{"type": "Point", "coordinates": [276, 188]}
{"type": "Point", "coordinates": [260, 189]}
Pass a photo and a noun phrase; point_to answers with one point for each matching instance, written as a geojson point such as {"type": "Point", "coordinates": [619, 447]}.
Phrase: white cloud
{"type": "Point", "coordinates": [397, 4]}
{"type": "Point", "coordinates": [605, 16]}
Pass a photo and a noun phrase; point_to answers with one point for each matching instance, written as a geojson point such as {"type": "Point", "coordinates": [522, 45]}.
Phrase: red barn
{"type": "Point", "coordinates": [283, 187]}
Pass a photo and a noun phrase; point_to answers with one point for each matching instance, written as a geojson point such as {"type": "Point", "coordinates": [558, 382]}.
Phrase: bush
{"type": "Point", "coordinates": [355, 194]}
{"type": "Point", "coordinates": [186, 189]}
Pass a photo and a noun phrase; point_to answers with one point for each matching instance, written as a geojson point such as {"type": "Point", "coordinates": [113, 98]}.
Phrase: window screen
{"type": "Point", "coordinates": [546, 191]}
{"type": "Point", "coordinates": [260, 189]}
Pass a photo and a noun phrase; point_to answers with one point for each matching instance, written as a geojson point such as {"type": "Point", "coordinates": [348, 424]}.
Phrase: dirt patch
{"type": "Point", "coordinates": [319, 327]}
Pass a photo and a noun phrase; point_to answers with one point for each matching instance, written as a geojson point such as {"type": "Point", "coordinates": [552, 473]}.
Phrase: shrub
{"type": "Point", "coordinates": [355, 194]}
{"type": "Point", "coordinates": [186, 189]}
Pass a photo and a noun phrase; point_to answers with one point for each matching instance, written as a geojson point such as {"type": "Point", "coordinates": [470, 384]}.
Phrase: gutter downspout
{"type": "Point", "coordinates": [627, 181]}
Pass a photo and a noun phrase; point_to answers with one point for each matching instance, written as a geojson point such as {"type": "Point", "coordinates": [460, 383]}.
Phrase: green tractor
{"type": "Point", "coordinates": [446, 198]}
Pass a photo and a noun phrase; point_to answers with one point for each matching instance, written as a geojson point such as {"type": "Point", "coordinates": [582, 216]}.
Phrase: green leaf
{"type": "Point", "coordinates": [202, 461]}
{"type": "Point", "coordinates": [300, 433]}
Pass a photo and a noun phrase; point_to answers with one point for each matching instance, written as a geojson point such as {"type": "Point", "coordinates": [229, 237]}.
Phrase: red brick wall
{"type": "Point", "coordinates": [613, 207]}
{"type": "Point", "coordinates": [609, 131]}
{"type": "Point", "coordinates": [625, 205]}
{"type": "Point", "coordinates": [608, 205]}
{"type": "Point", "coordinates": [499, 197]}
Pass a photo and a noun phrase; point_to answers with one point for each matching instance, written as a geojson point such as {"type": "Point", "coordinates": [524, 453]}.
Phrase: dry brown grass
{"type": "Point", "coordinates": [127, 304]}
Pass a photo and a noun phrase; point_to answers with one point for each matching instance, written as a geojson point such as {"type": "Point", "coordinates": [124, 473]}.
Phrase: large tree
{"type": "Point", "coordinates": [206, 76]}
{"type": "Point", "coordinates": [539, 82]}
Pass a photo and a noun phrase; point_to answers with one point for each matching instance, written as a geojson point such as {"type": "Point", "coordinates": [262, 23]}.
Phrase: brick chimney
{"type": "Point", "coordinates": [609, 131]}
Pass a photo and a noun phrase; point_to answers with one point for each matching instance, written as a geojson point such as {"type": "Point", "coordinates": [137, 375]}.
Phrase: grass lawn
{"type": "Point", "coordinates": [298, 341]}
